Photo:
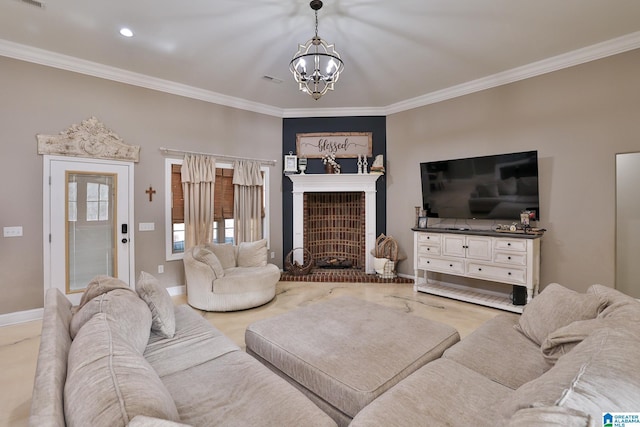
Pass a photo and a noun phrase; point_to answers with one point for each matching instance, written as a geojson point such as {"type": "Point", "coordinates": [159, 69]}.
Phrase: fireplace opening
{"type": "Point", "coordinates": [334, 229]}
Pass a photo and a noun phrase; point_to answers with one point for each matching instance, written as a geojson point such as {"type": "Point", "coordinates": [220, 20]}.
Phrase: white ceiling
{"type": "Point", "coordinates": [397, 54]}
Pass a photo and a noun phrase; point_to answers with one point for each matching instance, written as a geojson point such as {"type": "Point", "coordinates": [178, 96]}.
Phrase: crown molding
{"type": "Point", "coordinates": [69, 63]}
{"type": "Point", "coordinates": [334, 112]}
{"type": "Point", "coordinates": [590, 53]}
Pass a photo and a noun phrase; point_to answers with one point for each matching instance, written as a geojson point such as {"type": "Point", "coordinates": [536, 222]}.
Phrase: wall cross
{"type": "Point", "coordinates": [150, 192]}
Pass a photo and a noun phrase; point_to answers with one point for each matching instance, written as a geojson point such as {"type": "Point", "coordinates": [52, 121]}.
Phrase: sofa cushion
{"type": "Point", "coordinates": [205, 255]}
{"type": "Point", "coordinates": [144, 421]}
{"type": "Point", "coordinates": [159, 302]}
{"type": "Point", "coordinates": [109, 382]}
{"type": "Point", "coordinates": [441, 393]}
{"type": "Point", "coordinates": [194, 336]}
{"type": "Point", "coordinates": [497, 351]}
{"type": "Point", "coordinates": [127, 313]}
{"type": "Point", "coordinates": [551, 416]}
{"type": "Point", "coordinates": [555, 307]}
{"type": "Point", "coordinates": [595, 378]}
{"type": "Point", "coordinates": [225, 253]}
{"type": "Point", "coordinates": [252, 254]}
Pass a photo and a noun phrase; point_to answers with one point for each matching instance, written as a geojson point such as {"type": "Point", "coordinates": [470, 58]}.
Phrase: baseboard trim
{"type": "Point", "coordinates": [37, 313]}
{"type": "Point", "coordinates": [21, 317]}
{"type": "Point", "coordinates": [177, 290]}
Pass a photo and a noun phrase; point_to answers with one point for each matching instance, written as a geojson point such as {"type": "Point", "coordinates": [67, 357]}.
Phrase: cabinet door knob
{"type": "Point", "coordinates": [509, 273]}
{"type": "Point", "coordinates": [450, 265]}
{"type": "Point", "coordinates": [479, 269]}
{"type": "Point", "coordinates": [508, 244]}
{"type": "Point", "coordinates": [508, 257]}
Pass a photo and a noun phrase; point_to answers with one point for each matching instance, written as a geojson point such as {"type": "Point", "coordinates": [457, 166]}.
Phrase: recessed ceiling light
{"type": "Point", "coordinates": [126, 32]}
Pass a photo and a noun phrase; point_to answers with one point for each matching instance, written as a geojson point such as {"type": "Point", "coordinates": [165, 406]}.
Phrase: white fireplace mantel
{"type": "Point", "coordinates": [335, 183]}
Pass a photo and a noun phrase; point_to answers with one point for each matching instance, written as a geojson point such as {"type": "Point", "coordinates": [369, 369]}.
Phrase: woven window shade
{"type": "Point", "coordinates": [223, 195]}
{"type": "Point", "coordinates": [177, 205]}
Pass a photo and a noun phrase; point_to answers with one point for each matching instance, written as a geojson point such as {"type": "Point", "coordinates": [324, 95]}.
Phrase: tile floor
{"type": "Point", "coordinates": [19, 343]}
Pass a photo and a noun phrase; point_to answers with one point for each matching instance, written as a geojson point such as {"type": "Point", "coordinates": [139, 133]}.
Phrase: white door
{"type": "Point", "coordinates": [88, 212]}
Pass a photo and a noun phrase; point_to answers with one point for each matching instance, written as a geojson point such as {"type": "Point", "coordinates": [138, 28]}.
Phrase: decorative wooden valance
{"type": "Point", "coordinates": [90, 139]}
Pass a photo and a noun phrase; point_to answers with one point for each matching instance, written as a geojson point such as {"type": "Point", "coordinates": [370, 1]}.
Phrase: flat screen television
{"type": "Point", "coordinates": [496, 187]}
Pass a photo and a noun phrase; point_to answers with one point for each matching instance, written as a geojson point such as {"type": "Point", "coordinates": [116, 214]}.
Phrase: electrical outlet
{"type": "Point", "coordinates": [12, 231]}
{"type": "Point", "coordinates": [160, 269]}
{"type": "Point", "coordinates": [273, 255]}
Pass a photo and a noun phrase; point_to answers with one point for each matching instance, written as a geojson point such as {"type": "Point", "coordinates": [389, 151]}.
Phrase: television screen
{"type": "Point", "coordinates": [488, 187]}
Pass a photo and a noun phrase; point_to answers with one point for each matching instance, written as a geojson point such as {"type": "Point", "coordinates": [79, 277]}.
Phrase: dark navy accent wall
{"type": "Point", "coordinates": [290, 127]}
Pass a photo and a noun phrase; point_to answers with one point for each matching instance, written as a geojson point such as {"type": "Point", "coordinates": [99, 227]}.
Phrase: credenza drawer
{"type": "Point", "coordinates": [429, 250]}
{"type": "Point", "coordinates": [510, 245]}
{"type": "Point", "coordinates": [502, 274]}
{"type": "Point", "coordinates": [441, 265]}
{"type": "Point", "coordinates": [429, 238]}
{"type": "Point", "coordinates": [510, 258]}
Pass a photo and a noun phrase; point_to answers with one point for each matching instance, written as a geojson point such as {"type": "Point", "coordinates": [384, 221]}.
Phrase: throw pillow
{"type": "Point", "coordinates": [225, 253]}
{"type": "Point", "coordinates": [555, 307]}
{"type": "Point", "coordinates": [109, 382]}
{"type": "Point", "coordinates": [252, 254]}
{"type": "Point", "coordinates": [206, 256]}
{"type": "Point", "coordinates": [614, 298]}
{"type": "Point", "coordinates": [99, 285]}
{"type": "Point", "coordinates": [563, 340]}
{"type": "Point", "coordinates": [160, 304]}
{"type": "Point", "coordinates": [127, 314]}
{"type": "Point", "coordinates": [595, 378]}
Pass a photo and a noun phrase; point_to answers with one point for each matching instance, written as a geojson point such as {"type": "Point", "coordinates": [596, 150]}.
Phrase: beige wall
{"type": "Point", "coordinates": [36, 99]}
{"type": "Point", "coordinates": [577, 119]}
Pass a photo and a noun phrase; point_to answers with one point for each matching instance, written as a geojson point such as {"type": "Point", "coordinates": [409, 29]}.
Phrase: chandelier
{"type": "Point", "coordinates": [316, 66]}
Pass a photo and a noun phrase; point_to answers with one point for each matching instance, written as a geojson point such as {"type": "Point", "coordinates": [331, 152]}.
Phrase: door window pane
{"type": "Point", "coordinates": [91, 248]}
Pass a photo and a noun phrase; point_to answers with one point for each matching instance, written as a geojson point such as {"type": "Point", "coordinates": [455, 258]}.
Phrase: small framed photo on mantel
{"type": "Point", "coordinates": [290, 163]}
{"type": "Point", "coordinates": [422, 222]}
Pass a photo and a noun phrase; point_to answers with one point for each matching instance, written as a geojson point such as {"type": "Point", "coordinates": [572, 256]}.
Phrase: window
{"type": "Point", "coordinates": [223, 227]}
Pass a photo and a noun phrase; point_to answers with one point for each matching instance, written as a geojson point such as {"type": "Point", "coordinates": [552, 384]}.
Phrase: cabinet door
{"type": "Point", "coordinates": [479, 247]}
{"type": "Point", "coordinates": [453, 245]}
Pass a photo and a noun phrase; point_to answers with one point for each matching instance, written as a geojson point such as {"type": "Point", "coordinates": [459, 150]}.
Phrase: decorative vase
{"type": "Point", "coordinates": [328, 168]}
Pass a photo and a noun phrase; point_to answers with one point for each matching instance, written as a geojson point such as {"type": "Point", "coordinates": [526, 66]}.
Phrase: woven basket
{"type": "Point", "coordinates": [293, 267]}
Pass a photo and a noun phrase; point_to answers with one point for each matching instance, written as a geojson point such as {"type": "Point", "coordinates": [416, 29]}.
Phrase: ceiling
{"type": "Point", "coordinates": [398, 54]}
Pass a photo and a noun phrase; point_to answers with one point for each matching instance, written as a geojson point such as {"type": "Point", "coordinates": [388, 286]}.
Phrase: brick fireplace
{"type": "Point", "coordinates": [334, 228]}
{"type": "Point", "coordinates": [343, 209]}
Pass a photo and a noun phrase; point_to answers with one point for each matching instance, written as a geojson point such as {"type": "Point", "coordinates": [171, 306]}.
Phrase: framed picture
{"type": "Point", "coordinates": [422, 222]}
{"type": "Point", "coordinates": [291, 163]}
{"type": "Point", "coordinates": [340, 144]}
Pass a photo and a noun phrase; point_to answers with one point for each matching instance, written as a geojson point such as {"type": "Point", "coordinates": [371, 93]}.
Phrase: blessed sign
{"type": "Point", "coordinates": [341, 144]}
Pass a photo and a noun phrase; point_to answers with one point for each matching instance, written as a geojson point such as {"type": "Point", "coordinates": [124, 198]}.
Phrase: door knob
{"type": "Point", "coordinates": [125, 240]}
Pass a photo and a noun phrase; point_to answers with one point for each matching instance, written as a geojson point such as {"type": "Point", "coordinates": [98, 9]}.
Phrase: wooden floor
{"type": "Point", "coordinates": [19, 343]}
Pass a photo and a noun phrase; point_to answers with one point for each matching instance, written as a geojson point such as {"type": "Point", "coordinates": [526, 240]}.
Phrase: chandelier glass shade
{"type": "Point", "coordinates": [316, 66]}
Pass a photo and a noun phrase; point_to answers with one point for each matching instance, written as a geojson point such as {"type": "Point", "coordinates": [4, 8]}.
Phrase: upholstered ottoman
{"type": "Point", "coordinates": [345, 352]}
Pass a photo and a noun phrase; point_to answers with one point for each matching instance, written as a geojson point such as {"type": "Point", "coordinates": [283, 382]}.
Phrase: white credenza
{"type": "Point", "coordinates": [486, 255]}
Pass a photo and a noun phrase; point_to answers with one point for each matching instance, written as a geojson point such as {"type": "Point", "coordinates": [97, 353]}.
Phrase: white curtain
{"type": "Point", "coordinates": [247, 201]}
{"type": "Point", "coordinates": [198, 184]}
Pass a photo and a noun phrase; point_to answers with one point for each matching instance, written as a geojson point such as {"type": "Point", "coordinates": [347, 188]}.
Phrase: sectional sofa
{"type": "Point", "coordinates": [127, 358]}
{"type": "Point", "coordinates": [567, 360]}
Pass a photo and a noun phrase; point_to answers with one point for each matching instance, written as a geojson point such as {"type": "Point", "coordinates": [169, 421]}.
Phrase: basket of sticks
{"type": "Point", "coordinates": [294, 267]}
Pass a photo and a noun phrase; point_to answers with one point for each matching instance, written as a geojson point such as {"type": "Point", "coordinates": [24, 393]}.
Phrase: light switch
{"type": "Point", "coordinates": [146, 226]}
{"type": "Point", "coordinates": [12, 231]}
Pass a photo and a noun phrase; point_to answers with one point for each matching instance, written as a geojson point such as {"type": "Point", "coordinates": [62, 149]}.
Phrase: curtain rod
{"type": "Point", "coordinates": [217, 156]}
